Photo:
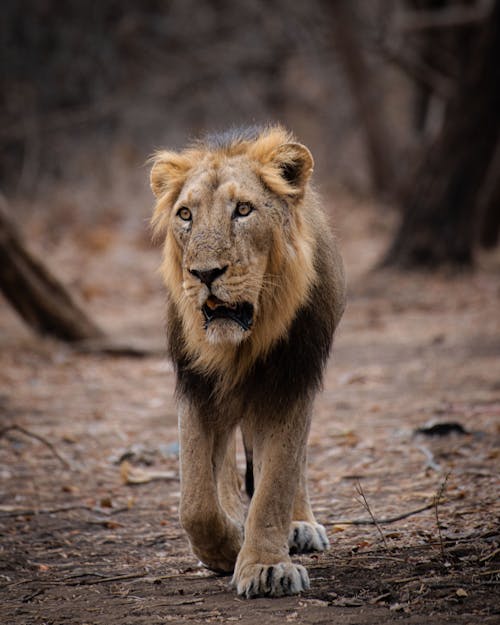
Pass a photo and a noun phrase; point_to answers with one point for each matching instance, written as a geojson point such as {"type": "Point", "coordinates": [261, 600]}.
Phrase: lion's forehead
{"type": "Point", "coordinates": [214, 182]}
{"type": "Point", "coordinates": [200, 193]}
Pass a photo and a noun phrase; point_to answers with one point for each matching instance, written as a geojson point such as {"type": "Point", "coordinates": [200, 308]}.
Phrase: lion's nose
{"type": "Point", "coordinates": [207, 276]}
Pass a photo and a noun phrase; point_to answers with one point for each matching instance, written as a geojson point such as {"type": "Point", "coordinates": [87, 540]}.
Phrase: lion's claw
{"type": "Point", "coordinates": [271, 580]}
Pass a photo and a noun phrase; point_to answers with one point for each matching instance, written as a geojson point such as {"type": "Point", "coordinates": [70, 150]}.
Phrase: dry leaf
{"type": "Point", "coordinates": [69, 488]}
{"type": "Point", "coordinates": [352, 377]}
{"type": "Point", "coordinates": [339, 528]}
{"type": "Point", "coordinates": [112, 525]}
{"type": "Point", "coordinates": [348, 602]}
{"type": "Point", "coordinates": [318, 602]}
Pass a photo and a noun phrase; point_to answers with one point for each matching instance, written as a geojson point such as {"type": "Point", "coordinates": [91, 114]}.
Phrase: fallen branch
{"type": "Point", "coordinates": [35, 293]}
{"type": "Point", "coordinates": [38, 437]}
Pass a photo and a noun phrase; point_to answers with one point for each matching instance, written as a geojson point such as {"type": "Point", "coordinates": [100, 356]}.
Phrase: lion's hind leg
{"type": "Point", "coordinates": [229, 484]}
{"type": "Point", "coordinates": [305, 535]}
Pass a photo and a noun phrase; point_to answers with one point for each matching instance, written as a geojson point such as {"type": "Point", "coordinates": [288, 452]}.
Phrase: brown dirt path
{"type": "Point", "coordinates": [79, 546]}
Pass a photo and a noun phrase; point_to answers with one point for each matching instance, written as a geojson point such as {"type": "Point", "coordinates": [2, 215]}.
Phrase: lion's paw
{"type": "Point", "coordinates": [271, 580]}
{"type": "Point", "coordinates": [220, 553]}
{"type": "Point", "coordinates": [305, 537]}
{"type": "Point", "coordinates": [220, 565]}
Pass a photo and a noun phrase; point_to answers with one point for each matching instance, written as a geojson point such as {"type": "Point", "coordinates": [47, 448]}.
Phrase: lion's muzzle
{"type": "Point", "coordinates": [209, 275]}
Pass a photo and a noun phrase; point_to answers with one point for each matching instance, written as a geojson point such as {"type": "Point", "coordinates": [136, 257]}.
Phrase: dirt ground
{"type": "Point", "coordinates": [83, 545]}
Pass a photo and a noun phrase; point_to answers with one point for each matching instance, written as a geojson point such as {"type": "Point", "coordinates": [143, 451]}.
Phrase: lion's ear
{"type": "Point", "coordinates": [169, 172]}
{"type": "Point", "coordinates": [295, 162]}
{"type": "Point", "coordinates": [288, 169]}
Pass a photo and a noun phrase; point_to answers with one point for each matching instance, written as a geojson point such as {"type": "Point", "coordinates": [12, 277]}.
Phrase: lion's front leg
{"type": "Point", "coordinates": [206, 469]}
{"type": "Point", "coordinates": [264, 567]}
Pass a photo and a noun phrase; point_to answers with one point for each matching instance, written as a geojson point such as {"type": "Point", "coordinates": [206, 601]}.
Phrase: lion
{"type": "Point", "coordinates": [255, 287]}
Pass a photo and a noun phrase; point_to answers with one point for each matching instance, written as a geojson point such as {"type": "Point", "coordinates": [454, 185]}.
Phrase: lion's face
{"type": "Point", "coordinates": [223, 222]}
{"type": "Point", "coordinates": [236, 247]}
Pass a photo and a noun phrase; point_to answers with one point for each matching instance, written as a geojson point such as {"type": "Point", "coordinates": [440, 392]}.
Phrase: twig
{"type": "Point", "coordinates": [494, 572]}
{"type": "Point", "coordinates": [104, 580]}
{"type": "Point", "coordinates": [431, 462]}
{"type": "Point", "coordinates": [364, 502]}
{"type": "Point", "coordinates": [385, 521]}
{"type": "Point", "coordinates": [490, 555]}
{"type": "Point", "coordinates": [71, 581]}
{"type": "Point", "coordinates": [37, 511]}
{"type": "Point", "coordinates": [194, 601]}
{"type": "Point", "coordinates": [38, 437]}
{"type": "Point", "coordinates": [437, 500]}
{"type": "Point", "coordinates": [32, 595]}
{"type": "Point", "coordinates": [403, 580]}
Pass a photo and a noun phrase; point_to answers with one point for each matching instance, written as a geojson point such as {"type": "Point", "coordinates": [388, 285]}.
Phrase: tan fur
{"type": "Point", "coordinates": [269, 259]}
{"type": "Point", "coordinates": [288, 275]}
{"type": "Point", "coordinates": [288, 263]}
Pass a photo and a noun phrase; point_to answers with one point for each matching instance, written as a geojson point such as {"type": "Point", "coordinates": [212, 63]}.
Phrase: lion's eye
{"type": "Point", "coordinates": [243, 209]}
{"type": "Point", "coordinates": [184, 213]}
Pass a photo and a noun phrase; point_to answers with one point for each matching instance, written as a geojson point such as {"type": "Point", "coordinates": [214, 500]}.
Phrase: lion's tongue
{"type": "Point", "coordinates": [214, 302]}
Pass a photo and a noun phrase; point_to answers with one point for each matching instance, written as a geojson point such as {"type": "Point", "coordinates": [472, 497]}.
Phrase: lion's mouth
{"type": "Point", "coordinates": [241, 313]}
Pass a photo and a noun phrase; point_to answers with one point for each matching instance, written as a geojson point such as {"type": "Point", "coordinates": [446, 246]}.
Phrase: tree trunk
{"type": "Point", "coordinates": [489, 204]}
{"type": "Point", "coordinates": [39, 298]}
{"type": "Point", "coordinates": [441, 217]}
{"type": "Point", "coordinates": [365, 94]}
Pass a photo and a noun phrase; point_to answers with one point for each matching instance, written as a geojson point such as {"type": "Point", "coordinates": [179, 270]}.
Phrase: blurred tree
{"type": "Point", "coordinates": [454, 201]}
{"type": "Point", "coordinates": [365, 91]}
{"type": "Point", "coordinates": [39, 298]}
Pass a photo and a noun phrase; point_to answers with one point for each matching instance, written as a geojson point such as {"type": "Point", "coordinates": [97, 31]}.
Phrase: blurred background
{"type": "Point", "coordinates": [398, 100]}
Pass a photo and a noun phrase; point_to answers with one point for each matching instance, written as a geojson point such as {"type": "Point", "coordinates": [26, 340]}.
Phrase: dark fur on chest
{"type": "Point", "coordinates": [291, 371]}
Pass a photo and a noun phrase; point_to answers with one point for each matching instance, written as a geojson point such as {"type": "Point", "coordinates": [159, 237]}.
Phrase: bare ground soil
{"type": "Point", "coordinates": [82, 545]}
